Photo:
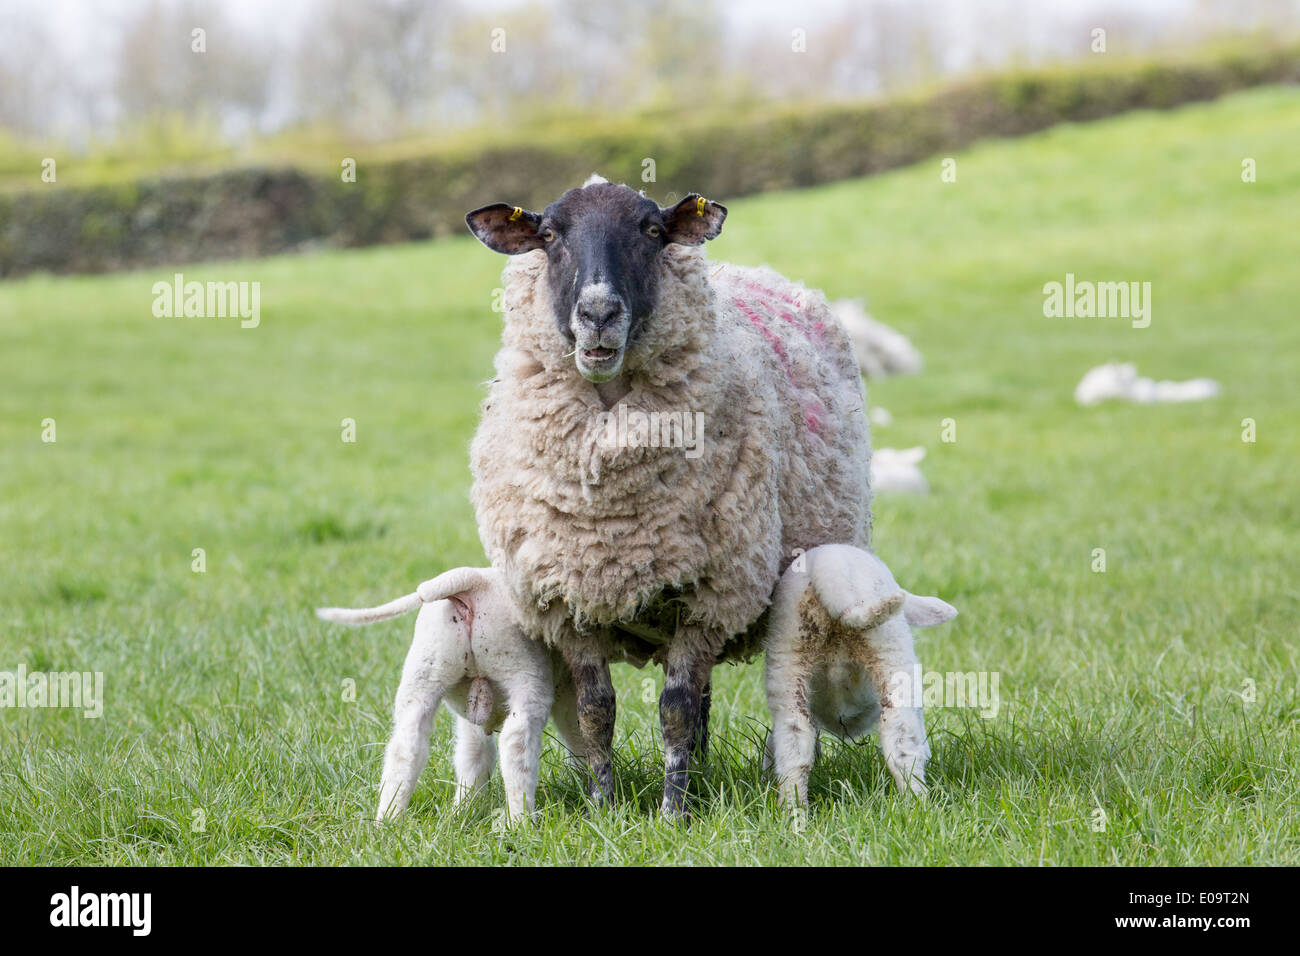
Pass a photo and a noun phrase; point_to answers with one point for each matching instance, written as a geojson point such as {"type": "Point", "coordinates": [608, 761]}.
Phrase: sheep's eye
{"type": "Point", "coordinates": [548, 235]}
{"type": "Point", "coordinates": [654, 232]}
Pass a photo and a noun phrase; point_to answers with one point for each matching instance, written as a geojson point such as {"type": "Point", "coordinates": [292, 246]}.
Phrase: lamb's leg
{"type": "Point", "coordinates": [418, 696]}
{"type": "Point", "coordinates": [476, 753]}
{"type": "Point", "coordinates": [792, 745]}
{"type": "Point", "coordinates": [594, 689]}
{"type": "Point", "coordinates": [905, 748]}
{"type": "Point", "coordinates": [521, 744]}
{"type": "Point", "coordinates": [689, 664]}
{"type": "Point", "coordinates": [903, 741]}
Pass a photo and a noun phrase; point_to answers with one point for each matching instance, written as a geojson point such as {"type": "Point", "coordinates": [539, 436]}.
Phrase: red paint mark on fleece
{"type": "Point", "coordinates": [767, 293]}
{"type": "Point", "coordinates": [813, 331]}
{"type": "Point", "coordinates": [814, 412]}
{"type": "Point", "coordinates": [771, 337]}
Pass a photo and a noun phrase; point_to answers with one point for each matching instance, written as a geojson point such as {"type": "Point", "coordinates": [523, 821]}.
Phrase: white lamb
{"type": "Point", "coordinates": [1120, 380]}
{"type": "Point", "coordinates": [470, 653]}
{"type": "Point", "coordinates": [895, 469]}
{"type": "Point", "coordinates": [840, 659]}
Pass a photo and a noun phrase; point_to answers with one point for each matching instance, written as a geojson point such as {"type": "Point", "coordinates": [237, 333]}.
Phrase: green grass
{"type": "Point", "coordinates": [1119, 690]}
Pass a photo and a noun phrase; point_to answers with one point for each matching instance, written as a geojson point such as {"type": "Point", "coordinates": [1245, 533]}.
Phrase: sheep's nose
{"type": "Point", "coordinates": [599, 310]}
{"type": "Point", "coordinates": [599, 316]}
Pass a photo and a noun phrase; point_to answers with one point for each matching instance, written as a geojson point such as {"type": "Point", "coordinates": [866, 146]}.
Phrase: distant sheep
{"type": "Point", "coordinates": [840, 659]}
{"type": "Point", "coordinates": [894, 469]}
{"type": "Point", "coordinates": [880, 350]}
{"type": "Point", "coordinates": [618, 545]}
{"type": "Point", "coordinates": [1120, 380]}
{"type": "Point", "coordinates": [470, 653]}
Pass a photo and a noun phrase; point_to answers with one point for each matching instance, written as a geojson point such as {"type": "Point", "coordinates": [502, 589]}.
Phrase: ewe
{"type": "Point", "coordinates": [630, 549]}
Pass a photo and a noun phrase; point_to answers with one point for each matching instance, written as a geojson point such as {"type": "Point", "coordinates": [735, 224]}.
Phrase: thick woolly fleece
{"type": "Point", "coordinates": [591, 535]}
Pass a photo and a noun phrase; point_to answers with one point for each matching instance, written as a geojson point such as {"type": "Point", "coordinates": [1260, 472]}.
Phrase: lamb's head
{"type": "Point", "coordinates": [603, 243]}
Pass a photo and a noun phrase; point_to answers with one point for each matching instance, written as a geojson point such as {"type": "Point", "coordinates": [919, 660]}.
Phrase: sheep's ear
{"type": "Point", "coordinates": [693, 220]}
{"type": "Point", "coordinates": [506, 228]}
{"type": "Point", "coordinates": [927, 611]}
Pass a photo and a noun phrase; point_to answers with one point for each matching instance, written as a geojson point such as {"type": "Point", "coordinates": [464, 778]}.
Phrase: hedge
{"type": "Point", "coordinates": [258, 211]}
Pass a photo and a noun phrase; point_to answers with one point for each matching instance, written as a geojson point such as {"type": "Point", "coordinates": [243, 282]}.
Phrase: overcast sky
{"type": "Point", "coordinates": [85, 34]}
{"type": "Point", "coordinates": [80, 23]}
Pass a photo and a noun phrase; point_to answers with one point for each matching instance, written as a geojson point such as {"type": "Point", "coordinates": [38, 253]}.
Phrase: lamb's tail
{"type": "Point", "coordinates": [436, 589]}
{"type": "Point", "coordinates": [868, 614]}
{"type": "Point", "coordinates": [368, 615]}
{"type": "Point", "coordinates": [854, 587]}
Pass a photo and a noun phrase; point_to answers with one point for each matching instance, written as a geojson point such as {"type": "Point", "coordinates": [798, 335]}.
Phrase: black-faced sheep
{"type": "Point", "coordinates": [619, 543]}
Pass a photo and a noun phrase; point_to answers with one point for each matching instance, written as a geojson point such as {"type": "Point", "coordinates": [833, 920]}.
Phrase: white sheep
{"type": "Point", "coordinates": [470, 653]}
{"type": "Point", "coordinates": [1120, 380]}
{"type": "Point", "coordinates": [840, 658]}
{"type": "Point", "coordinates": [623, 543]}
{"type": "Point", "coordinates": [880, 350]}
{"type": "Point", "coordinates": [898, 469]}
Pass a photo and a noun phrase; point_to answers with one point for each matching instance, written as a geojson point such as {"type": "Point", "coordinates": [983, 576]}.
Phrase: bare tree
{"type": "Point", "coordinates": [374, 65]}
{"type": "Point", "coordinates": [185, 58]}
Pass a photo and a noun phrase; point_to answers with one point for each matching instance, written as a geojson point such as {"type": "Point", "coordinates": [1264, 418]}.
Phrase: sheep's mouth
{"type": "Point", "coordinates": [599, 364]}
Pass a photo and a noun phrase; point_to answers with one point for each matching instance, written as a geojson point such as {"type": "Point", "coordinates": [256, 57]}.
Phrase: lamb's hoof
{"type": "Point", "coordinates": [518, 821]}
{"type": "Point", "coordinates": [912, 788]}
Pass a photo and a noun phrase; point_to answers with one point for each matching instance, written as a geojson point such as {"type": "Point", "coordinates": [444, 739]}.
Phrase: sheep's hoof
{"type": "Point", "coordinates": [596, 800]}
{"type": "Point", "coordinates": [675, 810]}
{"type": "Point", "coordinates": [595, 803]}
{"type": "Point", "coordinates": [600, 785]}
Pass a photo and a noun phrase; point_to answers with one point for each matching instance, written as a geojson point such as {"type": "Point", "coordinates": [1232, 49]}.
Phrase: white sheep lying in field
{"type": "Point", "coordinates": [840, 659]}
{"type": "Point", "coordinates": [897, 469]}
{"type": "Point", "coordinates": [1120, 380]}
{"type": "Point", "coordinates": [470, 653]}
{"type": "Point", "coordinates": [880, 350]}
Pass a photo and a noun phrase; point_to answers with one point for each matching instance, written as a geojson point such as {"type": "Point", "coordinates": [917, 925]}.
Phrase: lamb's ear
{"type": "Point", "coordinates": [927, 611]}
{"type": "Point", "coordinates": [693, 220]}
{"type": "Point", "coordinates": [506, 228]}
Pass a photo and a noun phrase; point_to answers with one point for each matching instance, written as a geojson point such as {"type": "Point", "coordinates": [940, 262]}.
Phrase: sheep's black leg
{"type": "Point", "coordinates": [595, 696]}
{"type": "Point", "coordinates": [680, 709]}
{"type": "Point", "coordinates": [700, 751]}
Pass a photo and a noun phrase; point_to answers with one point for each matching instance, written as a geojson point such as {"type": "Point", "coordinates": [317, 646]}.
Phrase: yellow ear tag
{"type": "Point", "coordinates": [700, 203]}
{"type": "Point", "coordinates": [516, 214]}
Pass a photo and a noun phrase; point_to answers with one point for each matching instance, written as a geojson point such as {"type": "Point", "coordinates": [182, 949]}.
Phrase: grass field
{"type": "Point", "coordinates": [227, 735]}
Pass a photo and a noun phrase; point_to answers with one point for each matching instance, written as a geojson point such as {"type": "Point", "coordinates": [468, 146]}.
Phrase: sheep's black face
{"type": "Point", "coordinates": [602, 244]}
